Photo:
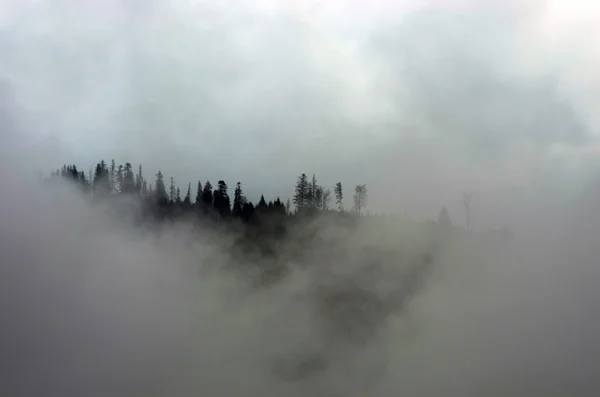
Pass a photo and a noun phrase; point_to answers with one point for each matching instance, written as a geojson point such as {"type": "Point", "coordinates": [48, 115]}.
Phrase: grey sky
{"type": "Point", "coordinates": [418, 101]}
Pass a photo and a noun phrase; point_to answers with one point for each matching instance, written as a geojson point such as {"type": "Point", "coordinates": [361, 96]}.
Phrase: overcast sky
{"type": "Point", "coordinates": [420, 100]}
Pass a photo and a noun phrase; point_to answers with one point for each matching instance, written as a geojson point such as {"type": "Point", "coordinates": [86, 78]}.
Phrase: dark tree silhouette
{"type": "Point", "coordinates": [207, 196]}
{"type": "Point", "coordinates": [302, 194]}
{"type": "Point", "coordinates": [238, 200]}
{"type": "Point", "coordinates": [198, 194]}
{"type": "Point", "coordinates": [360, 198]}
{"type": "Point", "coordinates": [339, 196]}
{"type": "Point", "coordinates": [187, 201]}
{"type": "Point", "coordinates": [127, 183]}
{"type": "Point", "coordinates": [172, 191]}
{"type": "Point", "coordinates": [101, 182]}
{"type": "Point", "coordinates": [160, 193]}
{"type": "Point", "coordinates": [221, 201]}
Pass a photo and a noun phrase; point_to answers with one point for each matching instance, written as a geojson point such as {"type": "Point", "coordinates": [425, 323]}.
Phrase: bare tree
{"type": "Point", "coordinates": [467, 204]}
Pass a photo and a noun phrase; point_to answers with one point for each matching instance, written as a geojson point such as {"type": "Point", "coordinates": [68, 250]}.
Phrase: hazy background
{"type": "Point", "coordinates": [420, 100]}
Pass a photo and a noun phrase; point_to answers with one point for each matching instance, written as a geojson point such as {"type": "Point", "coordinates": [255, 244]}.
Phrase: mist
{"type": "Point", "coordinates": [421, 102]}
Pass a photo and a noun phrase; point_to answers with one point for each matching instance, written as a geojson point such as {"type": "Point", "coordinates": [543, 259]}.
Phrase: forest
{"type": "Point", "coordinates": [113, 180]}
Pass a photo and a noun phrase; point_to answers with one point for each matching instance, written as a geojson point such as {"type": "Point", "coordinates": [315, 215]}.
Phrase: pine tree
{"type": "Point", "coordinates": [318, 198]}
{"type": "Point", "coordinates": [360, 198]}
{"type": "Point", "coordinates": [325, 199]}
{"type": "Point", "coordinates": [207, 195]}
{"type": "Point", "coordinates": [172, 191]}
{"type": "Point", "coordinates": [119, 179]}
{"type": "Point", "coordinates": [113, 178]}
{"type": "Point", "coordinates": [101, 183]}
{"type": "Point", "coordinates": [188, 196]}
{"type": "Point", "coordinates": [178, 197]}
{"type": "Point", "coordinates": [262, 203]}
{"type": "Point", "coordinates": [221, 200]}
{"type": "Point", "coordinates": [139, 180]}
{"type": "Point", "coordinates": [301, 195]}
{"type": "Point", "coordinates": [248, 211]}
{"type": "Point", "coordinates": [127, 183]}
{"type": "Point", "coordinates": [312, 194]}
{"type": "Point", "coordinates": [144, 191]}
{"type": "Point", "coordinates": [339, 196]}
{"type": "Point", "coordinates": [160, 190]}
{"type": "Point", "coordinates": [199, 194]}
{"type": "Point", "coordinates": [238, 200]}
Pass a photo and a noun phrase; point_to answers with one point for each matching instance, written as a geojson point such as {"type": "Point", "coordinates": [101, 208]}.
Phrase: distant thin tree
{"type": "Point", "coordinates": [114, 189]}
{"type": "Point", "coordinates": [301, 195]}
{"type": "Point", "coordinates": [139, 180]}
{"type": "Point", "coordinates": [339, 196]}
{"type": "Point", "coordinates": [119, 179]}
{"type": "Point", "coordinates": [178, 197]}
{"type": "Point", "coordinates": [172, 191]}
{"type": "Point", "coordinates": [325, 199]}
{"type": "Point", "coordinates": [144, 191]}
{"type": "Point", "coordinates": [127, 180]}
{"type": "Point", "coordinates": [238, 200]}
{"type": "Point", "coordinates": [187, 201]}
{"type": "Point", "coordinates": [199, 194]}
{"type": "Point", "coordinates": [360, 198]}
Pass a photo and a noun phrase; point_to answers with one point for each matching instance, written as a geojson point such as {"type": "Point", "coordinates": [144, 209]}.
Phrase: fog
{"type": "Point", "coordinates": [419, 102]}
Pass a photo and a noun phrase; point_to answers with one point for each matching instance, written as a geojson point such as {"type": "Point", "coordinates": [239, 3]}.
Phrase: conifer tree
{"type": "Point", "coordinates": [339, 196]}
{"type": "Point", "coordinates": [238, 200]}
{"type": "Point", "coordinates": [187, 201]}
{"type": "Point", "coordinates": [199, 194]}
{"type": "Point", "coordinates": [160, 190]}
{"type": "Point", "coordinates": [301, 193]}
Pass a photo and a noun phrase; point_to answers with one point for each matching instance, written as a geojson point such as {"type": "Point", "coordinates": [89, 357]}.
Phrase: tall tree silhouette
{"type": "Point", "coordinates": [325, 199]}
{"type": "Point", "coordinates": [199, 195]}
{"type": "Point", "coordinates": [313, 194]}
{"type": "Point", "coordinates": [172, 191]}
{"type": "Point", "coordinates": [119, 179]}
{"type": "Point", "coordinates": [301, 195]}
{"type": "Point", "coordinates": [160, 191]}
{"type": "Point", "coordinates": [207, 195]}
{"type": "Point", "coordinates": [187, 201]}
{"type": "Point", "coordinates": [221, 200]}
{"type": "Point", "coordinates": [128, 180]}
{"type": "Point", "coordinates": [178, 197]}
{"type": "Point", "coordinates": [262, 203]}
{"type": "Point", "coordinates": [339, 196]}
{"type": "Point", "coordinates": [360, 198]}
{"type": "Point", "coordinates": [238, 200]}
{"type": "Point", "coordinates": [139, 180]}
{"type": "Point", "coordinates": [101, 182]}
{"type": "Point", "coordinates": [114, 189]}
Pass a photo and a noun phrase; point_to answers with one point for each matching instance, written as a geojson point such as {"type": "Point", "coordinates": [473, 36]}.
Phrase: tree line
{"type": "Point", "coordinates": [111, 180]}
